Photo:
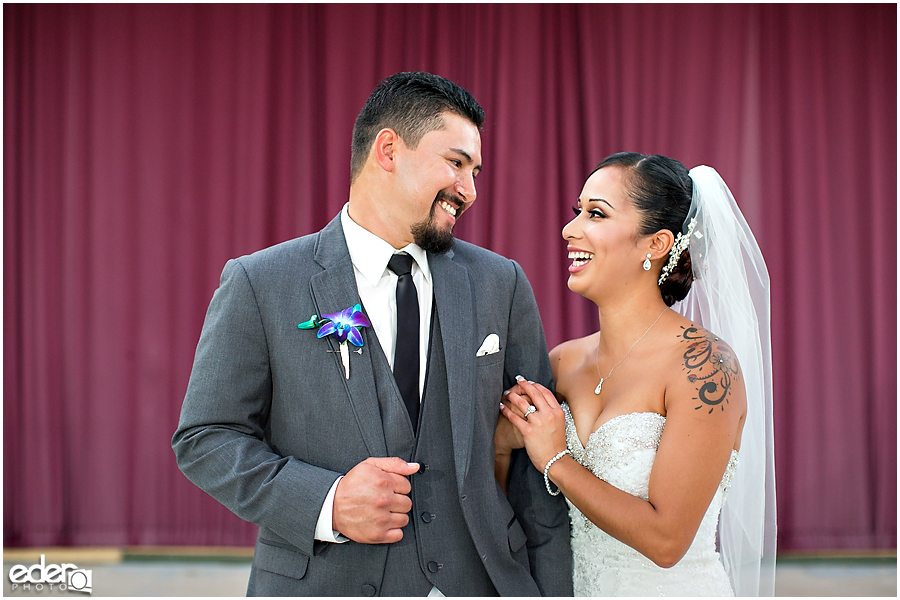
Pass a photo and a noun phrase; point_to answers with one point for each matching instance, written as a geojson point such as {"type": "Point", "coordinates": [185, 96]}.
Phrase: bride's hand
{"type": "Point", "coordinates": [544, 427]}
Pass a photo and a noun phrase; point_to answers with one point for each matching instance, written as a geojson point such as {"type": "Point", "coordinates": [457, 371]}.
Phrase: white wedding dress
{"type": "Point", "coordinates": [621, 452]}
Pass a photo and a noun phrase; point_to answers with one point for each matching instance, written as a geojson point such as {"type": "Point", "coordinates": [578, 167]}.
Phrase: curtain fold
{"type": "Point", "coordinates": [145, 145]}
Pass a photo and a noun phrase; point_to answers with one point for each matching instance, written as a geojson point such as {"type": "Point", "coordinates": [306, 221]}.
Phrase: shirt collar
{"type": "Point", "coordinates": [370, 254]}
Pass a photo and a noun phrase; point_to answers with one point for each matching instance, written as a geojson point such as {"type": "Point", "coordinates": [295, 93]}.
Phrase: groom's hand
{"type": "Point", "coordinates": [371, 501]}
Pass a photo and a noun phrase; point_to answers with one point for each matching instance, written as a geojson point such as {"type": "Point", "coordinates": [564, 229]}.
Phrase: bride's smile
{"type": "Point", "coordinates": [603, 239]}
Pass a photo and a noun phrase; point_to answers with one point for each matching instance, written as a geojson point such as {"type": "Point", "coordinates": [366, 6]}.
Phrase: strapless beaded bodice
{"type": "Point", "coordinates": [621, 452]}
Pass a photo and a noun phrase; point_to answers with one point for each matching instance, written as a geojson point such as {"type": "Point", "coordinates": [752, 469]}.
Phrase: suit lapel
{"type": "Point", "coordinates": [453, 296]}
{"type": "Point", "coordinates": [333, 290]}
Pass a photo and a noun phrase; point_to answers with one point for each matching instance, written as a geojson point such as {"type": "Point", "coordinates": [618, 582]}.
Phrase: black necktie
{"type": "Point", "coordinates": [406, 352]}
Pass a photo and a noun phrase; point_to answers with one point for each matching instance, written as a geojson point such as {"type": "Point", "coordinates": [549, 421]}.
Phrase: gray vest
{"type": "Point", "coordinates": [436, 549]}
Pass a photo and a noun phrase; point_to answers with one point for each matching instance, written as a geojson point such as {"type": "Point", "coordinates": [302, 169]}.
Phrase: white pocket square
{"type": "Point", "coordinates": [490, 345]}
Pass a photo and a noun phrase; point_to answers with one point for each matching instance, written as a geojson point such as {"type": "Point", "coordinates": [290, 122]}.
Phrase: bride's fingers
{"type": "Point", "coordinates": [507, 400]}
{"type": "Point", "coordinates": [531, 389]}
{"type": "Point", "coordinates": [519, 403]}
{"type": "Point", "coordinates": [552, 402]}
{"type": "Point", "coordinates": [537, 390]}
{"type": "Point", "coordinates": [517, 421]}
{"type": "Point", "coordinates": [515, 389]}
{"type": "Point", "coordinates": [507, 404]}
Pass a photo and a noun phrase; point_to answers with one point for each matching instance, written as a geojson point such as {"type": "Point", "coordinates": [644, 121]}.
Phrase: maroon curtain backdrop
{"type": "Point", "coordinates": [146, 145]}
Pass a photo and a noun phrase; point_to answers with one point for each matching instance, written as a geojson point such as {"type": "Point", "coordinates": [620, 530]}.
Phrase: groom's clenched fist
{"type": "Point", "coordinates": [371, 501]}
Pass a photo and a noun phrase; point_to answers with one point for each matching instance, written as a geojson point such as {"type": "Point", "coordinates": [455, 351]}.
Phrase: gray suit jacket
{"type": "Point", "coordinates": [269, 420]}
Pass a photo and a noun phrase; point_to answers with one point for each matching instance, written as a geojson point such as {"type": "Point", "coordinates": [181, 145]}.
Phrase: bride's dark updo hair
{"type": "Point", "coordinates": [660, 188]}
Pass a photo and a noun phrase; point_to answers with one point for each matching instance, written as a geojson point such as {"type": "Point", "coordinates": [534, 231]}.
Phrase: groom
{"type": "Point", "coordinates": [362, 445]}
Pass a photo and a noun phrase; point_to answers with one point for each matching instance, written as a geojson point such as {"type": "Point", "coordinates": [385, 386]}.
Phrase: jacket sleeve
{"type": "Point", "coordinates": [220, 444]}
{"type": "Point", "coordinates": [544, 518]}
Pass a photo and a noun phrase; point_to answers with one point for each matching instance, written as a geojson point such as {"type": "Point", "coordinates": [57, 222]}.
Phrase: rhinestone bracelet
{"type": "Point", "coordinates": [547, 470]}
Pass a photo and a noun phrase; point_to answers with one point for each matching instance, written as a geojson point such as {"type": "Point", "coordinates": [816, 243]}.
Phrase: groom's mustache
{"type": "Point", "coordinates": [453, 199]}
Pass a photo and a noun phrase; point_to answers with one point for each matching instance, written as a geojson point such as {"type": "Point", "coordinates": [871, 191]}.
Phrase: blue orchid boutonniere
{"type": "Point", "coordinates": [344, 326]}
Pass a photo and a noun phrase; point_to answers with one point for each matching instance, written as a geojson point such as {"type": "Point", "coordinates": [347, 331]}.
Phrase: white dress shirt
{"type": "Point", "coordinates": [377, 286]}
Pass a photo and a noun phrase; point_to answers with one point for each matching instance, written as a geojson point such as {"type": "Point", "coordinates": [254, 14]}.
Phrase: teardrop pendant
{"type": "Point", "coordinates": [598, 388]}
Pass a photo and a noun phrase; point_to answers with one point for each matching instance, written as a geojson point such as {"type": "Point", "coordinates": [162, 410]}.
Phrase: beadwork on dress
{"type": "Point", "coordinates": [621, 452]}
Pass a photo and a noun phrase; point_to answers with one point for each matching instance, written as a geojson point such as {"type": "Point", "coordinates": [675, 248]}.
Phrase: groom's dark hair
{"type": "Point", "coordinates": [412, 105]}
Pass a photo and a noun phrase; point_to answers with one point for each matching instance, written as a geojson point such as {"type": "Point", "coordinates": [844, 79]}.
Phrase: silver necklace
{"type": "Point", "coordinates": [602, 378]}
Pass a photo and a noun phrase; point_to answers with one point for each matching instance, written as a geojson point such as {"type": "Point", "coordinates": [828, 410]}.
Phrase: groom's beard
{"type": "Point", "coordinates": [426, 233]}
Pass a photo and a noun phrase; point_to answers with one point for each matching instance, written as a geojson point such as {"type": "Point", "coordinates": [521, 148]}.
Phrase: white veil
{"type": "Point", "coordinates": [730, 298]}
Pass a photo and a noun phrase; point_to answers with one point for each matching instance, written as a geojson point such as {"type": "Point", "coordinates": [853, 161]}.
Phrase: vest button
{"type": "Point", "coordinates": [434, 567]}
{"type": "Point", "coordinates": [368, 590]}
{"type": "Point", "coordinates": [427, 517]}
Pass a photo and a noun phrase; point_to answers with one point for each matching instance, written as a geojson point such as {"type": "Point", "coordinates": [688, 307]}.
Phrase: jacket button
{"type": "Point", "coordinates": [368, 590]}
{"type": "Point", "coordinates": [434, 567]}
{"type": "Point", "coordinates": [427, 517]}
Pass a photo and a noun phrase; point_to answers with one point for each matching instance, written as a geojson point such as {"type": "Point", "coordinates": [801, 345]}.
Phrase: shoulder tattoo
{"type": "Point", "coordinates": [710, 366]}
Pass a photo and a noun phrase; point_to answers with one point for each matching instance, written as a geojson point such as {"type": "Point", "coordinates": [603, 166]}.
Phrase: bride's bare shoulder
{"type": "Point", "coordinates": [705, 368]}
{"type": "Point", "coordinates": [570, 354]}
{"type": "Point", "coordinates": [568, 359]}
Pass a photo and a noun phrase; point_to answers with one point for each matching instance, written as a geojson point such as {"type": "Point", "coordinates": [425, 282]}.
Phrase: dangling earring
{"type": "Point", "coordinates": [646, 264]}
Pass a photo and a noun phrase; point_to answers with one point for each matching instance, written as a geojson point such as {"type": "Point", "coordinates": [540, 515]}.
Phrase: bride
{"type": "Point", "coordinates": [659, 434]}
